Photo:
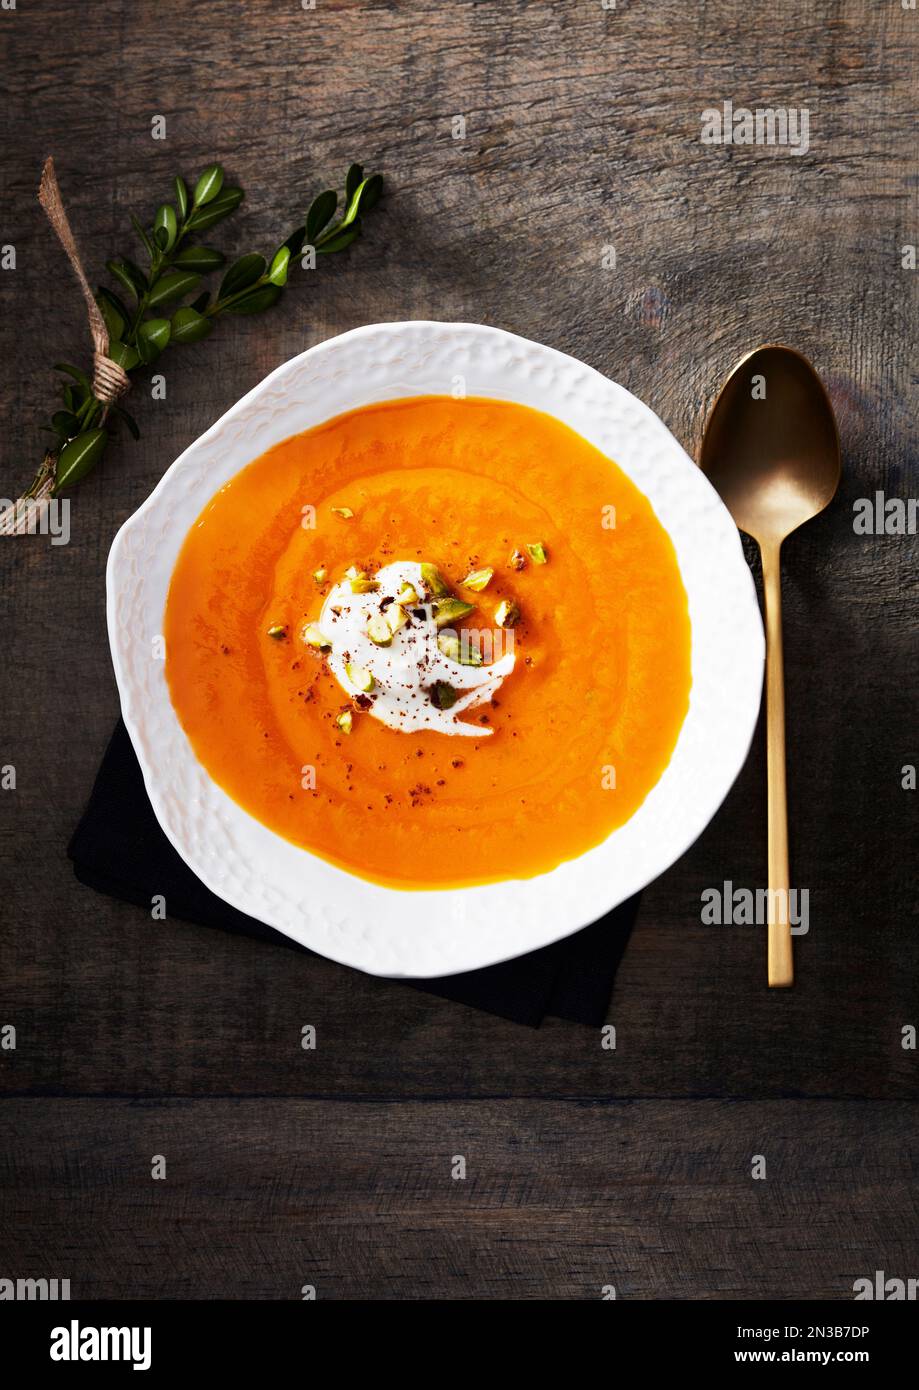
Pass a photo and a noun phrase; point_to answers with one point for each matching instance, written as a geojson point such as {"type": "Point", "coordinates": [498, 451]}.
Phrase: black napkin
{"type": "Point", "coordinates": [119, 849]}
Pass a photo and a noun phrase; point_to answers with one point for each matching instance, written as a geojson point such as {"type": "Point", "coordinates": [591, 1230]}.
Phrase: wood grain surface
{"type": "Point", "coordinates": [582, 133]}
{"type": "Point", "coordinates": [258, 1198]}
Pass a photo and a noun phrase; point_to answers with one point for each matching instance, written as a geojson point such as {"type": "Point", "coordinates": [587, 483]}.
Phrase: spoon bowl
{"type": "Point", "coordinates": [771, 447]}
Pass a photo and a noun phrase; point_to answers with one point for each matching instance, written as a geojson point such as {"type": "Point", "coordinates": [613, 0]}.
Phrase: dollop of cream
{"type": "Point", "coordinates": [406, 672]}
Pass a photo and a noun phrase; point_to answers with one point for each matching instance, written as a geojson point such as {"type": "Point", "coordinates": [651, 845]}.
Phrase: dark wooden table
{"type": "Point", "coordinates": [136, 1038]}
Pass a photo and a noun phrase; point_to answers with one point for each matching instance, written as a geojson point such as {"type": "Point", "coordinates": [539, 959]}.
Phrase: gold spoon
{"type": "Point", "coordinates": [771, 449]}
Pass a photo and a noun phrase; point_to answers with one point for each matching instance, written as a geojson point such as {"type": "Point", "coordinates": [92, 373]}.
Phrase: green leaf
{"type": "Point", "coordinates": [76, 396]}
{"type": "Point", "coordinates": [355, 177]}
{"type": "Point", "coordinates": [165, 227]}
{"type": "Point", "coordinates": [119, 304]}
{"type": "Point", "coordinates": [294, 242]}
{"type": "Point", "coordinates": [340, 240]}
{"type": "Point", "coordinates": [242, 274]}
{"type": "Point", "coordinates": [188, 326]}
{"type": "Point", "coordinates": [129, 420]}
{"type": "Point", "coordinates": [181, 189]}
{"type": "Point", "coordinates": [209, 185]}
{"type": "Point", "coordinates": [113, 312]}
{"type": "Point", "coordinates": [373, 189]}
{"type": "Point", "coordinates": [152, 337]}
{"type": "Point", "coordinates": [200, 258]}
{"type": "Point", "coordinates": [277, 272]}
{"type": "Point", "coordinates": [125, 278]}
{"type": "Point", "coordinates": [144, 239]}
{"type": "Point", "coordinates": [228, 201]}
{"type": "Point", "coordinates": [65, 423]}
{"type": "Point", "coordinates": [362, 199]}
{"type": "Point", "coordinates": [172, 285]}
{"type": "Point", "coordinates": [75, 372]}
{"type": "Point", "coordinates": [126, 357]}
{"type": "Point", "coordinates": [321, 212]}
{"type": "Point", "coordinates": [256, 300]}
{"type": "Point", "coordinates": [79, 457]}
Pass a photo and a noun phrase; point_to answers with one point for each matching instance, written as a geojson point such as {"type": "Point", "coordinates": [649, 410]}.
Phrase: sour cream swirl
{"type": "Point", "coordinates": [406, 673]}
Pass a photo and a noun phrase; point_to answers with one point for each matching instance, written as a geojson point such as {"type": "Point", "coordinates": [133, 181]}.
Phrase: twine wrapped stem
{"type": "Point", "coordinates": [110, 381]}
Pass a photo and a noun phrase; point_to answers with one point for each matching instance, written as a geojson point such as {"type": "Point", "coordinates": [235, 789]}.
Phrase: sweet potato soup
{"type": "Point", "coordinates": [436, 642]}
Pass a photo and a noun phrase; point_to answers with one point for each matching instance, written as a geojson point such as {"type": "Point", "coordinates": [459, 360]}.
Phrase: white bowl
{"type": "Point", "coordinates": [437, 932]}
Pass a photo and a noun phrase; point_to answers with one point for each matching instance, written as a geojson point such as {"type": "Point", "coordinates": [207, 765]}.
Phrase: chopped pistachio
{"type": "Point", "coordinates": [407, 595]}
{"type": "Point", "coordinates": [455, 649]}
{"type": "Point", "coordinates": [507, 614]}
{"type": "Point", "coordinates": [315, 637]}
{"type": "Point", "coordinates": [277, 631]}
{"type": "Point", "coordinates": [346, 512]}
{"type": "Point", "coordinates": [435, 580]}
{"type": "Point", "coordinates": [379, 631]}
{"type": "Point", "coordinates": [518, 560]}
{"type": "Point", "coordinates": [538, 554]}
{"type": "Point", "coordinates": [345, 721]}
{"type": "Point", "coordinates": [478, 580]}
{"type": "Point", "coordinates": [443, 695]}
{"type": "Point", "coordinates": [360, 676]}
{"type": "Point", "coordinates": [360, 581]}
{"type": "Point", "coordinates": [321, 575]}
{"type": "Point", "coordinates": [450, 610]}
{"type": "Point", "coordinates": [396, 616]}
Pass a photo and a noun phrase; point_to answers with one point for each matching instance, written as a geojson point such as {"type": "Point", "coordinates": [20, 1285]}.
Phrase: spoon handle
{"type": "Point", "coordinates": [780, 959]}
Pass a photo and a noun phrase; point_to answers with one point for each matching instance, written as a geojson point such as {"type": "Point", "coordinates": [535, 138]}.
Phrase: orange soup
{"type": "Point", "coordinates": [437, 642]}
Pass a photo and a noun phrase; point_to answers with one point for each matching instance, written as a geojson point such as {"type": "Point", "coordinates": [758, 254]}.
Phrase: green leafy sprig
{"type": "Point", "coordinates": [150, 311]}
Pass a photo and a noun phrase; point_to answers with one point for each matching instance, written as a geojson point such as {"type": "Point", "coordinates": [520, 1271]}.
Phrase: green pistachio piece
{"type": "Point", "coordinates": [443, 695]}
{"type": "Point", "coordinates": [379, 631]}
{"type": "Point", "coordinates": [451, 645]}
{"type": "Point", "coordinates": [537, 553]}
{"type": "Point", "coordinates": [315, 637]}
{"type": "Point", "coordinates": [345, 512]}
{"type": "Point", "coordinates": [277, 631]}
{"type": "Point", "coordinates": [507, 614]}
{"type": "Point", "coordinates": [450, 610]}
{"type": "Point", "coordinates": [434, 580]}
{"type": "Point", "coordinates": [321, 575]}
{"type": "Point", "coordinates": [407, 596]}
{"type": "Point", "coordinates": [396, 617]}
{"type": "Point", "coordinates": [360, 581]}
{"type": "Point", "coordinates": [360, 676]}
{"type": "Point", "coordinates": [345, 721]}
{"type": "Point", "coordinates": [478, 580]}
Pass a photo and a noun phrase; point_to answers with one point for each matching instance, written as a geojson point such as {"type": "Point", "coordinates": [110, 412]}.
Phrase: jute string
{"type": "Point", "coordinates": [109, 380]}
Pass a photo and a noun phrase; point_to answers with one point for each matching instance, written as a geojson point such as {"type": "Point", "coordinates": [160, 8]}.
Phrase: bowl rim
{"type": "Point", "coordinates": [324, 928]}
